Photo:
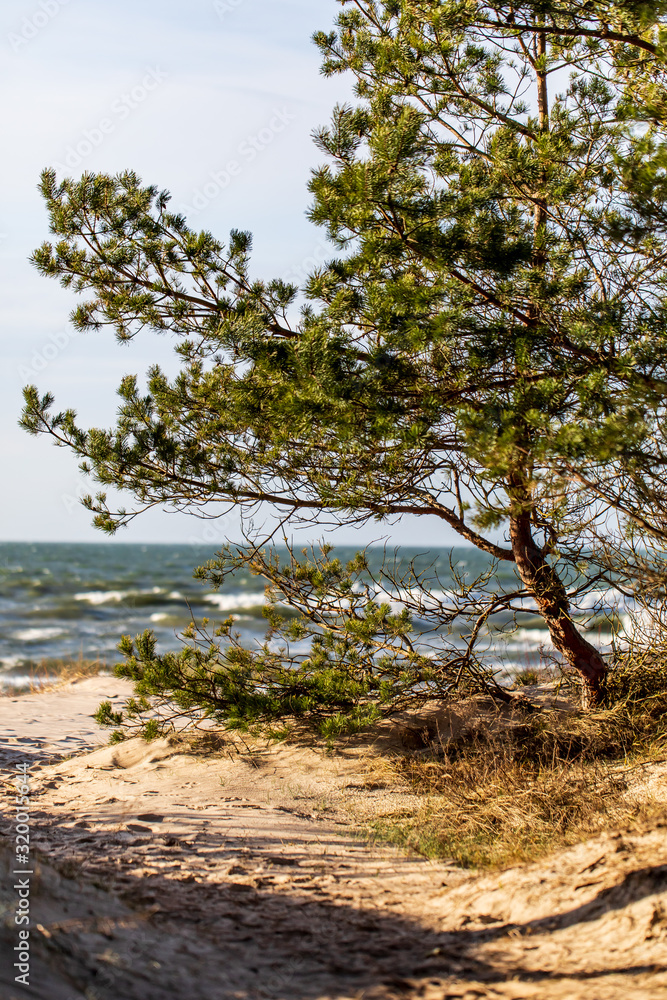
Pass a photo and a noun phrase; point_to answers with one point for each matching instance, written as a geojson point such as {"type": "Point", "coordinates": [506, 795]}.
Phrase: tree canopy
{"type": "Point", "coordinates": [486, 348]}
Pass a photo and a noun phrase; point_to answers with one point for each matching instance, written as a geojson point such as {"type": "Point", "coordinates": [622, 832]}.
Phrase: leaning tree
{"type": "Point", "coordinates": [486, 344]}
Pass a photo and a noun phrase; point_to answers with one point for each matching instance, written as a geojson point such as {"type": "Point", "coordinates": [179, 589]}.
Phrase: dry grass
{"type": "Point", "coordinates": [491, 786]}
{"type": "Point", "coordinates": [491, 811]}
{"type": "Point", "coordinates": [511, 787]}
{"type": "Point", "coordinates": [52, 673]}
{"type": "Point", "coordinates": [78, 669]}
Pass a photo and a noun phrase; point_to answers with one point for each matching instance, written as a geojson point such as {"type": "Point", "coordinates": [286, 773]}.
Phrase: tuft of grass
{"type": "Point", "coordinates": [76, 670]}
{"type": "Point", "coordinates": [527, 677]}
{"type": "Point", "coordinates": [510, 788]}
{"type": "Point", "coordinates": [490, 811]}
{"type": "Point", "coordinates": [637, 680]}
{"type": "Point", "coordinates": [48, 673]}
{"type": "Point", "coordinates": [278, 734]}
{"type": "Point", "coordinates": [346, 724]}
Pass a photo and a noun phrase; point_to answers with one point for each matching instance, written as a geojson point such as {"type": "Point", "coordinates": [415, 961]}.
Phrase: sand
{"type": "Point", "coordinates": [42, 727]}
{"type": "Point", "coordinates": [164, 873]}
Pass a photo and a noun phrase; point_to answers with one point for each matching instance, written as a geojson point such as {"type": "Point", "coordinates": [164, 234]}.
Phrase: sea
{"type": "Point", "coordinates": [68, 602]}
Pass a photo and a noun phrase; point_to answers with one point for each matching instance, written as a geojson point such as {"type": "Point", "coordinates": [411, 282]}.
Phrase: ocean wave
{"type": "Point", "coordinates": [24, 681]}
{"type": "Point", "coordinates": [426, 601]}
{"type": "Point", "coordinates": [102, 596]}
{"type": "Point", "coordinates": [115, 596]}
{"type": "Point", "coordinates": [9, 663]}
{"type": "Point", "coordinates": [531, 638]}
{"type": "Point", "coordinates": [38, 634]}
{"type": "Point", "coordinates": [597, 599]}
{"type": "Point", "coordinates": [422, 601]}
{"type": "Point", "coordinates": [233, 602]}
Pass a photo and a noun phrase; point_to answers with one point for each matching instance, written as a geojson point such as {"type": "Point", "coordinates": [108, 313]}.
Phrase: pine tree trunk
{"type": "Point", "coordinates": [537, 575]}
{"type": "Point", "coordinates": [550, 595]}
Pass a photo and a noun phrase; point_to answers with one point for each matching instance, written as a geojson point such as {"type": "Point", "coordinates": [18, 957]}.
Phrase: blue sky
{"type": "Point", "coordinates": [176, 91]}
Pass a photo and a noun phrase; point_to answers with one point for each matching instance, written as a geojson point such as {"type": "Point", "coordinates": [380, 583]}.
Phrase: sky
{"type": "Point", "coordinates": [175, 90]}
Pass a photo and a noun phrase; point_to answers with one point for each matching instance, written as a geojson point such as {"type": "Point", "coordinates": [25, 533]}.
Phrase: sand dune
{"type": "Point", "coordinates": [165, 874]}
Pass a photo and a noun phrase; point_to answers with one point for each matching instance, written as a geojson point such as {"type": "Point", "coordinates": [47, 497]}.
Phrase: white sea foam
{"type": "Point", "coordinates": [230, 602]}
{"type": "Point", "coordinates": [531, 640]}
{"type": "Point", "coordinates": [528, 638]}
{"type": "Point", "coordinates": [102, 596]}
{"type": "Point", "coordinates": [9, 662]}
{"type": "Point", "coordinates": [23, 680]}
{"type": "Point", "coordinates": [525, 603]}
{"type": "Point", "coordinates": [425, 601]}
{"type": "Point", "coordinates": [598, 599]}
{"type": "Point", "coordinates": [37, 634]}
{"type": "Point", "coordinates": [110, 596]}
{"type": "Point", "coordinates": [160, 617]}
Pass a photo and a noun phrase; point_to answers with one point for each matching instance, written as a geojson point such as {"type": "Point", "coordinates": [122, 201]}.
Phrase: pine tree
{"type": "Point", "coordinates": [485, 345]}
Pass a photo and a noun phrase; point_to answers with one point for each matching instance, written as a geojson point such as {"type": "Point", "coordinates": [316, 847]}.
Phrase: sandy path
{"type": "Point", "coordinates": [56, 723]}
{"type": "Point", "coordinates": [237, 877]}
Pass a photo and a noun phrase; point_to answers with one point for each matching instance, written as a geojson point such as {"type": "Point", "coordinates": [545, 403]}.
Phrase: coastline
{"type": "Point", "coordinates": [64, 603]}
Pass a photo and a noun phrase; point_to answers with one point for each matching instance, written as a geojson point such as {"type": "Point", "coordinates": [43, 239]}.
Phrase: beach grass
{"type": "Point", "coordinates": [501, 794]}
{"type": "Point", "coordinates": [49, 673]}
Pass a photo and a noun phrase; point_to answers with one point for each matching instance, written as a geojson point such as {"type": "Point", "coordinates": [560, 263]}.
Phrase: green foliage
{"type": "Point", "coordinates": [487, 348]}
{"type": "Point", "coordinates": [105, 716]}
{"type": "Point", "coordinates": [525, 678]}
{"type": "Point", "coordinates": [441, 343]}
{"type": "Point", "coordinates": [362, 663]}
